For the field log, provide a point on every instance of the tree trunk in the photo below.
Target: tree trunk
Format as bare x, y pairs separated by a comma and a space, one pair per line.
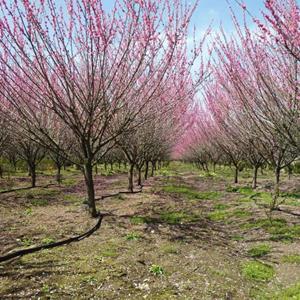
276, 189
277, 181
32, 172
140, 176
236, 174
89, 181
290, 171
254, 181
130, 178
159, 165
105, 166
112, 166
146, 170
58, 174
153, 168
1, 171
261, 170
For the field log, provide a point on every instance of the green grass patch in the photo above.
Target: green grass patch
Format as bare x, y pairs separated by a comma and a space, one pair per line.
133, 236
237, 238
259, 250
266, 224
69, 182
278, 228
239, 213
109, 252
177, 217
39, 202
292, 259
246, 190
73, 198
136, 220
190, 193
221, 206
294, 195
290, 293
219, 215
257, 271
169, 249
222, 214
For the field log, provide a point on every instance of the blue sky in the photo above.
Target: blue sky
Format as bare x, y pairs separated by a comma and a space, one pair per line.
218, 12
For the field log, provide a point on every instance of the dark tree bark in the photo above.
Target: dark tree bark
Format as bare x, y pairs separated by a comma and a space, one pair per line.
139, 176
277, 181
58, 174
153, 168
146, 170
88, 175
130, 178
32, 171
236, 174
254, 180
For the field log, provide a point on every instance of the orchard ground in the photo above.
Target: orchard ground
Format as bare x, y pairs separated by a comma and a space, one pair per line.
189, 235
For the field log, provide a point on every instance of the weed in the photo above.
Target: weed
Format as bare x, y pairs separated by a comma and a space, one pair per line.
26, 242
28, 211
45, 289
258, 271
156, 270
47, 240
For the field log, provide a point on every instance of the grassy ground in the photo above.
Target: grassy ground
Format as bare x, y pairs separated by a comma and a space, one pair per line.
189, 235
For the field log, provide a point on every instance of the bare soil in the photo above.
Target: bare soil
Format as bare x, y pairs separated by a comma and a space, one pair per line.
199, 251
